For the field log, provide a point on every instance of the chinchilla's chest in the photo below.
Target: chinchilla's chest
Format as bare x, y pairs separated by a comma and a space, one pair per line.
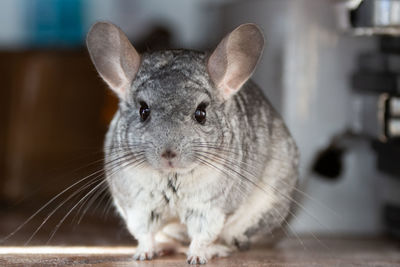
168, 194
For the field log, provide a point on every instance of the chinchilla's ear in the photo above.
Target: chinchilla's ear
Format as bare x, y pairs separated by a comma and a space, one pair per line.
114, 57
235, 58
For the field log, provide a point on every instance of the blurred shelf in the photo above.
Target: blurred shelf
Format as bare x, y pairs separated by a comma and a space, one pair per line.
372, 31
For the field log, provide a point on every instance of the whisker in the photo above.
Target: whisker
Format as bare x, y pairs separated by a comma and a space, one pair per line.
69, 212
90, 192
58, 207
90, 203
235, 151
104, 195
138, 154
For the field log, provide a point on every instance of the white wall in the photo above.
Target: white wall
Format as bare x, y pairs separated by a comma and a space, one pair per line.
12, 31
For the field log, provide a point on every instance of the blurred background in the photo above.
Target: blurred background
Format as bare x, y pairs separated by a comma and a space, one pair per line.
331, 68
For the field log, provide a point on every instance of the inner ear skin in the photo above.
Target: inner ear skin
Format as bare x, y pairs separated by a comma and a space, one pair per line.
218, 63
235, 58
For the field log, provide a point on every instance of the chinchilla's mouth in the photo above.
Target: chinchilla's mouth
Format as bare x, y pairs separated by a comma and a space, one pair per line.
179, 169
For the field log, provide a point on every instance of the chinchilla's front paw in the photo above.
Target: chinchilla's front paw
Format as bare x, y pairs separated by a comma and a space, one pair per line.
146, 251
196, 259
201, 255
142, 255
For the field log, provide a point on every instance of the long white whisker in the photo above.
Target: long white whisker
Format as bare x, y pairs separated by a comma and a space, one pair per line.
120, 168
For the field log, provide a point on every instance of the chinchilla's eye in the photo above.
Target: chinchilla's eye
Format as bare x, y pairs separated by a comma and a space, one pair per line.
200, 113
144, 111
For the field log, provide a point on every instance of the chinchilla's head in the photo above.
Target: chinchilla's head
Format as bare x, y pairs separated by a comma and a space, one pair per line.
172, 102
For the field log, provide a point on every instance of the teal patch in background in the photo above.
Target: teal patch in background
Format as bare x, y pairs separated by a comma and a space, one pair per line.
55, 23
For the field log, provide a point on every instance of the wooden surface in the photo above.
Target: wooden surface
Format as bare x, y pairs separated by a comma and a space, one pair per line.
290, 252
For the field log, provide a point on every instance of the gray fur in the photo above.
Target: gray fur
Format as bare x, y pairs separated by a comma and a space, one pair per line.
253, 158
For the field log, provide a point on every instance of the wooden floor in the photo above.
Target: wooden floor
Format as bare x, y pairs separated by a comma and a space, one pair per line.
290, 252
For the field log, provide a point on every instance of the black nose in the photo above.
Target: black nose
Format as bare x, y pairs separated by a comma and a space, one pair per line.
168, 154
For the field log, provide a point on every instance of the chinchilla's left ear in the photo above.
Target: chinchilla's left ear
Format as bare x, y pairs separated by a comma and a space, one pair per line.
233, 61
114, 57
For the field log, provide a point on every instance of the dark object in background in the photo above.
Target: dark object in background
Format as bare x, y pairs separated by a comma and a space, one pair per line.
391, 214
387, 157
159, 38
376, 82
390, 44
379, 63
329, 162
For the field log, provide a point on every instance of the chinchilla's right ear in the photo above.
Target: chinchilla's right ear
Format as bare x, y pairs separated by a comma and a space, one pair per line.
114, 57
235, 58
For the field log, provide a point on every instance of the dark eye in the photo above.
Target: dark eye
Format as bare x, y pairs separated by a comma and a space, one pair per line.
144, 111
200, 113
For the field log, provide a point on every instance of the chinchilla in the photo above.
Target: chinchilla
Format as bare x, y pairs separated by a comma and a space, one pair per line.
195, 150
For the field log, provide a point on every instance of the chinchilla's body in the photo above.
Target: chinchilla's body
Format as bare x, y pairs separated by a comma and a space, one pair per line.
195, 148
